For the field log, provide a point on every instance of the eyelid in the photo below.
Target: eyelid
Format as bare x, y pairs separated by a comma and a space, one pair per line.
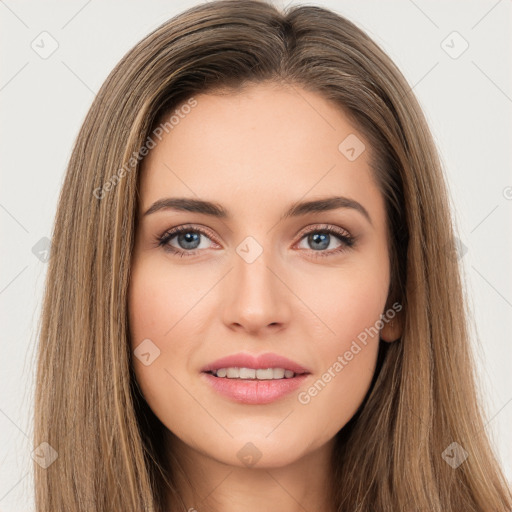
304, 231
199, 228
321, 227
347, 239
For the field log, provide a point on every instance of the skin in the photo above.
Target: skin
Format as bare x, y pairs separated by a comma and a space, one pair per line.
256, 152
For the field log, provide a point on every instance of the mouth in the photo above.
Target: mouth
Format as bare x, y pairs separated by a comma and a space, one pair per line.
254, 380
254, 373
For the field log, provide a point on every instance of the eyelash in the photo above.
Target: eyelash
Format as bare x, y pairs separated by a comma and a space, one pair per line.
347, 240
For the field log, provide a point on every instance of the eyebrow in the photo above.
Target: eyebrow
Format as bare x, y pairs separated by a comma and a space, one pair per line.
213, 209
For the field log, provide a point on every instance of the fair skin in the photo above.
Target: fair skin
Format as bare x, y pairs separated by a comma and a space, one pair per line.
255, 153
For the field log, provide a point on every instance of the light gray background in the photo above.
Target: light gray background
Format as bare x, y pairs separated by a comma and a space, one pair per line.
467, 100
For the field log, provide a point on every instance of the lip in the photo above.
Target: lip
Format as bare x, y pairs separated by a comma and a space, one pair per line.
254, 391
244, 360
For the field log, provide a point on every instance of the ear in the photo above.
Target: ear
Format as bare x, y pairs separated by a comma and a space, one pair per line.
392, 329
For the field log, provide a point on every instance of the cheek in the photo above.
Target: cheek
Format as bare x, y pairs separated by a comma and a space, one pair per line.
152, 306
346, 357
348, 302
159, 301
161, 318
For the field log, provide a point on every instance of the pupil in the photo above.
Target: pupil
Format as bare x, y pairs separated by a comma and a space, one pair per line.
324, 239
189, 238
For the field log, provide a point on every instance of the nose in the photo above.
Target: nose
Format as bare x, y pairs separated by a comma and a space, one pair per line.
259, 298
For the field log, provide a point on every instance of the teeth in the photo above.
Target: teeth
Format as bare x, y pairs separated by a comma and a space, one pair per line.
248, 373
278, 373
251, 373
233, 373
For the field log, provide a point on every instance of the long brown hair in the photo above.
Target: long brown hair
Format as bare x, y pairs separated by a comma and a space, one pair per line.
424, 396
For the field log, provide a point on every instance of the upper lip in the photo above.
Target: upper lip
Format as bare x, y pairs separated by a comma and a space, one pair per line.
243, 360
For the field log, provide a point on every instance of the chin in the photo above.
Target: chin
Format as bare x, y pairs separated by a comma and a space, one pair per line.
256, 448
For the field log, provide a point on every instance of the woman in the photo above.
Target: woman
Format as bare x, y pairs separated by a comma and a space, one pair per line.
254, 299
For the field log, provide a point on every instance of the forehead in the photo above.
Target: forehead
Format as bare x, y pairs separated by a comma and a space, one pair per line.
254, 148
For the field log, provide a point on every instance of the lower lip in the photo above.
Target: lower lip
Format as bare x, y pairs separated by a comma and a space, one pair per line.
254, 392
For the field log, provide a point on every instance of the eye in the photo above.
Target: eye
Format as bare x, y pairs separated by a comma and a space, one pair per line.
320, 237
189, 237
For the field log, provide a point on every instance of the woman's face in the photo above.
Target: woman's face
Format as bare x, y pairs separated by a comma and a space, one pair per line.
255, 280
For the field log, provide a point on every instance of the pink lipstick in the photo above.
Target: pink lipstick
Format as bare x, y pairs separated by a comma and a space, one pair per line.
254, 380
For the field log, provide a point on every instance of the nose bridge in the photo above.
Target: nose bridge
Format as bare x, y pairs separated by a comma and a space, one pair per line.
257, 297
252, 267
